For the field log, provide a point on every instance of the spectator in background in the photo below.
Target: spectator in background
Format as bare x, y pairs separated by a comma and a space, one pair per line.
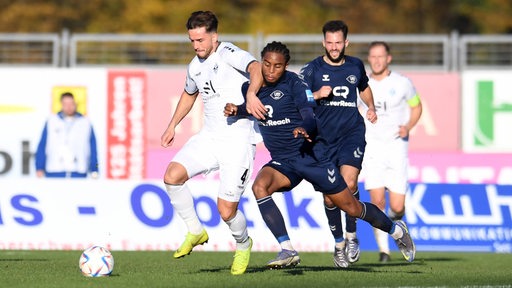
386, 159
68, 145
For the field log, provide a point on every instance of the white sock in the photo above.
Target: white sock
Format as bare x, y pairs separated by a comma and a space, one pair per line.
398, 233
351, 235
287, 244
183, 204
238, 227
340, 245
382, 239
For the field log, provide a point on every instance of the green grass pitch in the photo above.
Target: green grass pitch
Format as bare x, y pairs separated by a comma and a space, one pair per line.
211, 269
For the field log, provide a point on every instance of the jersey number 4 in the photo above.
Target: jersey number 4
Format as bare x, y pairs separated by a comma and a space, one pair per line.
244, 176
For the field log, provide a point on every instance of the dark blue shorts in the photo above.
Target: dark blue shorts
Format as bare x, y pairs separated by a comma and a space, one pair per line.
321, 173
349, 150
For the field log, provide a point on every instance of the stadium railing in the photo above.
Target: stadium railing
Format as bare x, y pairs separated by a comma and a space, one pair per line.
451, 52
29, 49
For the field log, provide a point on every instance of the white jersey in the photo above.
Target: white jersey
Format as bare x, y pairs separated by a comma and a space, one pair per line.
219, 79
390, 96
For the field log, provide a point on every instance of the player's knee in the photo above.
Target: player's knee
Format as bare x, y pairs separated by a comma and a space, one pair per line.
353, 208
260, 190
379, 202
175, 174
352, 185
227, 214
328, 202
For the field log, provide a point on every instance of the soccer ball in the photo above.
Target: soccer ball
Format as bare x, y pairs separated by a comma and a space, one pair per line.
96, 261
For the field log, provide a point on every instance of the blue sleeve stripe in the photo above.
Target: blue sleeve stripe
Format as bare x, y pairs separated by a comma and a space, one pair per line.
41, 149
94, 153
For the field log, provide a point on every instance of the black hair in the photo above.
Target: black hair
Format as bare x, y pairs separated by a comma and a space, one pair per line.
380, 43
203, 19
66, 94
277, 47
335, 26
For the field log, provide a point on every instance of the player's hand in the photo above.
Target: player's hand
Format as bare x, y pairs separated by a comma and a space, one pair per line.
40, 173
371, 115
230, 109
299, 131
323, 92
168, 137
403, 131
255, 107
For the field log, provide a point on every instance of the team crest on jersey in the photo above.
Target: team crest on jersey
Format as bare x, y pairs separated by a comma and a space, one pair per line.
325, 78
352, 79
215, 68
277, 94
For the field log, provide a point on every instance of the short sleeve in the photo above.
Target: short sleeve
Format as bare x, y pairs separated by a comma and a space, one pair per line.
235, 57
190, 84
303, 96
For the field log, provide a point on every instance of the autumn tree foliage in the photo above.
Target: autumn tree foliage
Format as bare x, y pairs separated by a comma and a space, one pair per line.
257, 16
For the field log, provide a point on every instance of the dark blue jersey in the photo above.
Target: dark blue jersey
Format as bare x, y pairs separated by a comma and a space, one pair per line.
337, 113
284, 102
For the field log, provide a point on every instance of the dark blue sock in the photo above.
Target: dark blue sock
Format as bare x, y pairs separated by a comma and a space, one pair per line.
351, 221
273, 218
334, 219
376, 217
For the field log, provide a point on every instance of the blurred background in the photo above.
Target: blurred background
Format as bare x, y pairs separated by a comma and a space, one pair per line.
126, 60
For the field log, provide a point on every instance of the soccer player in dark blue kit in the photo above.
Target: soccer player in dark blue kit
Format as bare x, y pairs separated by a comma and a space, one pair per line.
337, 80
298, 152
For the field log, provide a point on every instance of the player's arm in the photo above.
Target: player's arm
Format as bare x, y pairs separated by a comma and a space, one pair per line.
184, 106
306, 74
323, 92
253, 104
367, 97
416, 110
233, 110
308, 127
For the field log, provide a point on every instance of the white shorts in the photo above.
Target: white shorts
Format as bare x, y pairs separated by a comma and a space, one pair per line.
234, 160
385, 165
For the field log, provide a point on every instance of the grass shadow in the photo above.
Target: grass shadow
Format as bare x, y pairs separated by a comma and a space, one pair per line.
23, 259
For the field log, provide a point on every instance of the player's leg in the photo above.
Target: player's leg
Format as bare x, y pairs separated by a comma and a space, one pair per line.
350, 175
186, 164
396, 205
235, 174
337, 191
268, 181
334, 220
378, 197
333, 214
373, 215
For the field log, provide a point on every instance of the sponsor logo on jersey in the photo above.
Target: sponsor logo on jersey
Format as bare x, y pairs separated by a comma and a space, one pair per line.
276, 163
337, 103
198, 74
277, 94
352, 79
325, 78
275, 122
209, 92
215, 68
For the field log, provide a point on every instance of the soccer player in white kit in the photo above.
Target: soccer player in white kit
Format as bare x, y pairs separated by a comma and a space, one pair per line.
228, 145
386, 159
